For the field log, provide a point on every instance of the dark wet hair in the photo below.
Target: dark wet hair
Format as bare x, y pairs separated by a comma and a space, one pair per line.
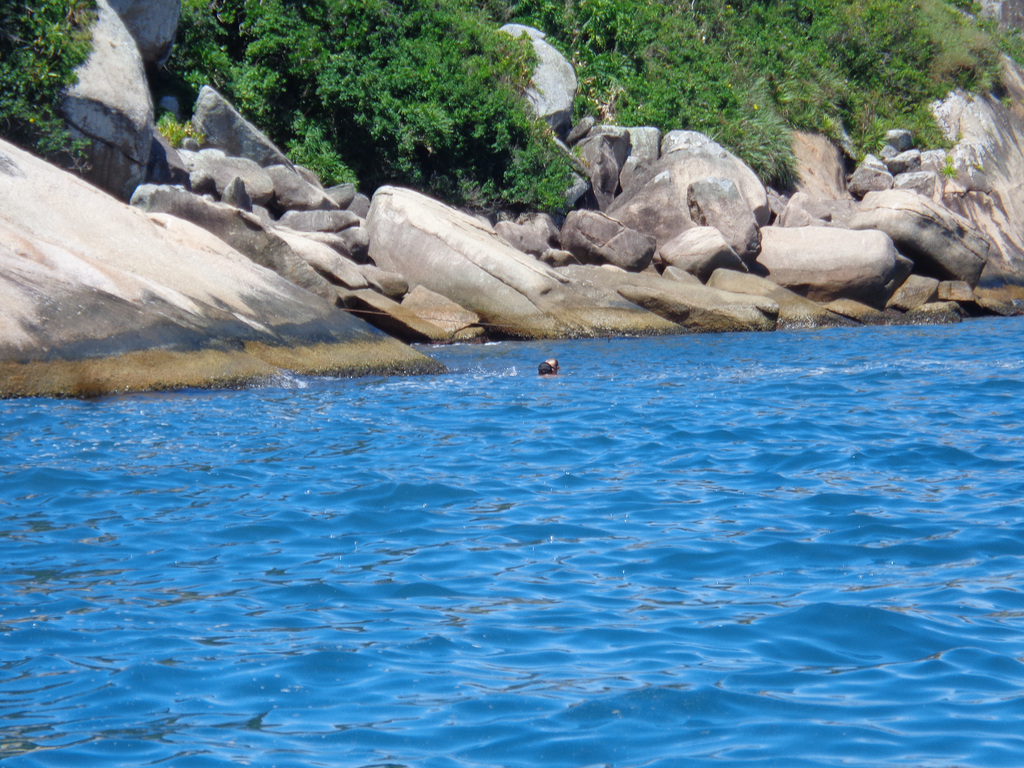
546, 369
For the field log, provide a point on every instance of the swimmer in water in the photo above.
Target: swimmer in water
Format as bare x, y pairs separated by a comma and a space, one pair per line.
548, 368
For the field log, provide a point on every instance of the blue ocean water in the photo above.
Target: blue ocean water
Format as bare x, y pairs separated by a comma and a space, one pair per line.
788, 549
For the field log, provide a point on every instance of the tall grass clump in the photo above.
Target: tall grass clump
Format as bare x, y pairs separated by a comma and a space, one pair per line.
41, 44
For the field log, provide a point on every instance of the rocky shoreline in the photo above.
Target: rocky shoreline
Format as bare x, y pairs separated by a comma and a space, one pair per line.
223, 263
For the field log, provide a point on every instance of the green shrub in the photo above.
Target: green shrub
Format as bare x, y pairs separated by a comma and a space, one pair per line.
41, 44
426, 94
175, 131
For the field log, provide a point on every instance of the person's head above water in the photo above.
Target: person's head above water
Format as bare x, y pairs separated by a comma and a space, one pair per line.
548, 368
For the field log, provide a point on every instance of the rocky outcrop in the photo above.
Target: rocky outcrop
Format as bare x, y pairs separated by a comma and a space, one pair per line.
594, 238
111, 108
657, 200
692, 306
825, 264
940, 243
716, 202
210, 171
603, 153
463, 259
241, 230
553, 83
871, 175
224, 128
699, 252
534, 234
990, 142
101, 297
152, 24
795, 311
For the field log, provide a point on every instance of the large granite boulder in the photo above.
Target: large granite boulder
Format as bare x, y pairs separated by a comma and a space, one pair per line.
716, 202
915, 291
795, 311
692, 306
699, 252
152, 24
100, 297
210, 171
292, 192
241, 230
821, 172
461, 258
645, 143
603, 153
534, 234
940, 243
825, 263
111, 108
594, 238
224, 128
871, 175
656, 201
553, 83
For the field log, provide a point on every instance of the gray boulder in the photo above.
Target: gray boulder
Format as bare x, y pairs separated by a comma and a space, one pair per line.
802, 210
826, 263
225, 129
645, 143
390, 284
360, 205
904, 162
922, 182
553, 84
533, 234
342, 194
236, 195
99, 297
595, 238
603, 154
899, 139
210, 171
319, 220
152, 24
700, 251
940, 243
110, 107
391, 317
327, 262
871, 175
914, 292
292, 192
716, 202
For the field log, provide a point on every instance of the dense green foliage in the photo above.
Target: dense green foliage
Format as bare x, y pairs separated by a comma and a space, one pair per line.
40, 45
427, 94
424, 93
745, 71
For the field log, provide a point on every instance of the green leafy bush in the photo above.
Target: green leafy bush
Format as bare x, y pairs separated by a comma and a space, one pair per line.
41, 44
426, 94
748, 71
